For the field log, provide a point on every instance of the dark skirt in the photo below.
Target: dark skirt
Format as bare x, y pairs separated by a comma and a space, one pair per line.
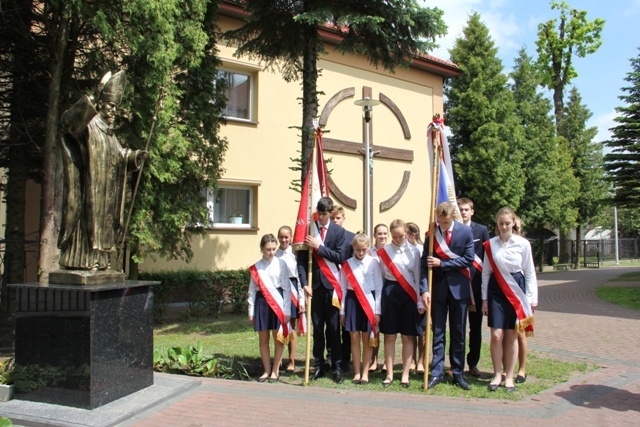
502, 315
264, 318
294, 309
356, 319
399, 312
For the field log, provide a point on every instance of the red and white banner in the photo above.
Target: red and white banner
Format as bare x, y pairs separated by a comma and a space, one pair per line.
316, 185
446, 190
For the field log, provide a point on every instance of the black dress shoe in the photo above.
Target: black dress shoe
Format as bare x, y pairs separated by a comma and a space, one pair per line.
319, 373
459, 379
338, 376
493, 387
521, 379
434, 381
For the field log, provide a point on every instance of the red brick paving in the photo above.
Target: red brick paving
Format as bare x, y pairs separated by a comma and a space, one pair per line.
570, 322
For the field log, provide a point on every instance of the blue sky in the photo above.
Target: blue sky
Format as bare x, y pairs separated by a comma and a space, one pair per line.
514, 24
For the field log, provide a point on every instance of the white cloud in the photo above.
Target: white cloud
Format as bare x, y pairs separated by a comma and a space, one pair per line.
603, 122
503, 26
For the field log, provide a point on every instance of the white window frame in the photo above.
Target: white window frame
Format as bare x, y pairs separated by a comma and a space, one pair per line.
251, 96
249, 220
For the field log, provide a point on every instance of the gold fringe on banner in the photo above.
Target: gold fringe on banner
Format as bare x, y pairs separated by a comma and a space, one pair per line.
374, 342
280, 337
522, 325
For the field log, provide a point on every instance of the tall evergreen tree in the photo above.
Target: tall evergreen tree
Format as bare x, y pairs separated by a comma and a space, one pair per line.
285, 34
487, 138
550, 188
168, 50
586, 164
623, 162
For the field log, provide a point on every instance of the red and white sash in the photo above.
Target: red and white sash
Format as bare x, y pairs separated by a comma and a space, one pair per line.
397, 274
275, 301
512, 291
331, 271
366, 300
443, 251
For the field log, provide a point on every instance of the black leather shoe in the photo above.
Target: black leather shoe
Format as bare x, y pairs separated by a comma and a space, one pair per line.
459, 379
338, 376
521, 379
319, 373
434, 381
493, 387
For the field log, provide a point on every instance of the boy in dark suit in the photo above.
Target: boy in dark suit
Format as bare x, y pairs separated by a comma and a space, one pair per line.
480, 235
328, 247
450, 291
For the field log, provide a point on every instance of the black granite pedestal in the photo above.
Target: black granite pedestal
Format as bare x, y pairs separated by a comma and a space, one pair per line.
83, 346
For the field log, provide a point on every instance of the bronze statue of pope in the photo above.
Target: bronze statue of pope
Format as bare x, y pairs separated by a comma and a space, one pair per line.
95, 179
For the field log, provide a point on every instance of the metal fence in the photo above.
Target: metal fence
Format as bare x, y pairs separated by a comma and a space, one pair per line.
593, 252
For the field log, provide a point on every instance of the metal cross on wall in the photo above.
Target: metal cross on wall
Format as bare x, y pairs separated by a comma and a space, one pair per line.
348, 147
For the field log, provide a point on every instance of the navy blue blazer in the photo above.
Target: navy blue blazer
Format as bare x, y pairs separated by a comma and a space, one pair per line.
448, 276
334, 249
480, 235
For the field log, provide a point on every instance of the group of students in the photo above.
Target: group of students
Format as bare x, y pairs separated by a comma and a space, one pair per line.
384, 289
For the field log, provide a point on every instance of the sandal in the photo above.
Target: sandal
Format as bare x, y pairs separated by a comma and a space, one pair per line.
387, 382
263, 378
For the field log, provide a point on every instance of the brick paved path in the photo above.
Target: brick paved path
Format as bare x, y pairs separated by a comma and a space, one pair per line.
570, 322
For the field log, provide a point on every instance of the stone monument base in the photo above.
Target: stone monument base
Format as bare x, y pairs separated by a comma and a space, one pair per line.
83, 346
85, 277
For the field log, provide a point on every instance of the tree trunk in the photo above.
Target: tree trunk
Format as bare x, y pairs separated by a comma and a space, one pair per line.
564, 257
542, 245
309, 95
49, 215
576, 261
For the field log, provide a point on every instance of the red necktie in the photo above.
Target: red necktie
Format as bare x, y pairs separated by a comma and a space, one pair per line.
448, 237
323, 231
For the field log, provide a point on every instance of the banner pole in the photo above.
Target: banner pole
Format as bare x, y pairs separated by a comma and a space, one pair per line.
307, 361
437, 153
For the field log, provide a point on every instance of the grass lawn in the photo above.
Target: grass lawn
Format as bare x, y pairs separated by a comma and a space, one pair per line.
232, 337
625, 296
622, 296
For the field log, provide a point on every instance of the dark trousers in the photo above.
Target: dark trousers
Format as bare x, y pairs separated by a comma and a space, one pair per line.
325, 315
457, 313
475, 328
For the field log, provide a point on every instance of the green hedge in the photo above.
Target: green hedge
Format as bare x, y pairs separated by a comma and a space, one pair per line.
206, 292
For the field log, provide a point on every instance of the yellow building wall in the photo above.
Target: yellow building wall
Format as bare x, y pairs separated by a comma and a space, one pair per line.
261, 153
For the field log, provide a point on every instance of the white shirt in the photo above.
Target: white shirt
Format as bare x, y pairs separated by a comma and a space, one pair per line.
292, 265
277, 273
407, 259
516, 255
368, 275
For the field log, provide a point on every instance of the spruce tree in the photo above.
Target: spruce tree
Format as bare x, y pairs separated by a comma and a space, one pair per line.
550, 187
622, 163
486, 145
586, 163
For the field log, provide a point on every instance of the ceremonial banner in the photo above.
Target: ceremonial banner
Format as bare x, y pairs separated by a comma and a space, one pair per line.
316, 185
446, 189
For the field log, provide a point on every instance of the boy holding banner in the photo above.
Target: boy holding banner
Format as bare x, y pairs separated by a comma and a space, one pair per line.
329, 247
450, 291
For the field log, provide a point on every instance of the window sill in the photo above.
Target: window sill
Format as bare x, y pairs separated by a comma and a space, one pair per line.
239, 121
232, 227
